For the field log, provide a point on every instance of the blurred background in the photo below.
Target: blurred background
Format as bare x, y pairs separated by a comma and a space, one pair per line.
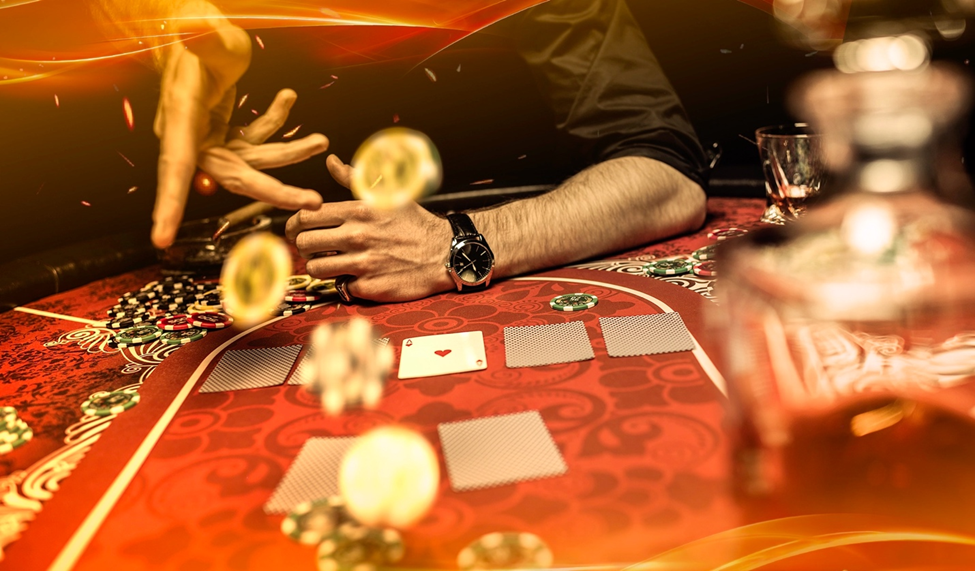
72, 171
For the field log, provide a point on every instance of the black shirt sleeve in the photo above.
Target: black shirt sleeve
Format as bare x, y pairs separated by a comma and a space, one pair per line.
609, 96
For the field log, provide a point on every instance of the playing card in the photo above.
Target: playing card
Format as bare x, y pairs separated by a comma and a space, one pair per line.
442, 355
313, 475
537, 345
251, 369
499, 450
645, 335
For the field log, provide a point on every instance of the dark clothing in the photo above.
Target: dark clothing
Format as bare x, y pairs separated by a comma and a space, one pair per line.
609, 96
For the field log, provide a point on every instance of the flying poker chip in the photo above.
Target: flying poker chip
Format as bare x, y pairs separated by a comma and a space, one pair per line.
395, 166
721, 234
211, 320
509, 550
311, 522
706, 253
183, 336
574, 302
354, 547
138, 335
175, 323
299, 282
300, 296
706, 269
105, 403
288, 309
676, 267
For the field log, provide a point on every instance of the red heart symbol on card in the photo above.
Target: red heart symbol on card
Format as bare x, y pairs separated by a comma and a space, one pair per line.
443, 352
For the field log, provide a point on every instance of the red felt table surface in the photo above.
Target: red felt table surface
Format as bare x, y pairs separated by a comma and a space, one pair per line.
179, 481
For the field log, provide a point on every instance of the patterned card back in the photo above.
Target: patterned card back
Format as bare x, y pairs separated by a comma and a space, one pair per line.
251, 369
313, 475
499, 450
645, 335
537, 345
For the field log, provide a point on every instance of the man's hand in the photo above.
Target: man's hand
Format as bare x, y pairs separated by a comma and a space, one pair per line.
394, 255
192, 123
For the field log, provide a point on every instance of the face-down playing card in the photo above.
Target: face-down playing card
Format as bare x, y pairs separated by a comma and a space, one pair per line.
645, 335
251, 369
498, 450
538, 345
312, 476
442, 355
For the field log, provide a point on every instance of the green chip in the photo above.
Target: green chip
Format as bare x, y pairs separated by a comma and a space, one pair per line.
138, 335
354, 547
105, 403
13, 432
311, 522
574, 302
509, 550
22, 438
183, 336
675, 267
706, 253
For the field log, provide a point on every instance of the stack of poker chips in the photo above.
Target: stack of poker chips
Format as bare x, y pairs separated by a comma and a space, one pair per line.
303, 293
14, 432
344, 544
173, 310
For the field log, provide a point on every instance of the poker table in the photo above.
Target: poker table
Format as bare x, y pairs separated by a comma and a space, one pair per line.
179, 481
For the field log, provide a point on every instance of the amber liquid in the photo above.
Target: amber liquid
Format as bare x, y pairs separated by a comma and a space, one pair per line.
883, 456
794, 200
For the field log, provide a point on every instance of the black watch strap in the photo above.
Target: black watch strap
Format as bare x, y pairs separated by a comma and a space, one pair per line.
462, 225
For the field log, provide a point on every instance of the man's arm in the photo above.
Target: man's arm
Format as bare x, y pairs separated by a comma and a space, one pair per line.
606, 208
400, 255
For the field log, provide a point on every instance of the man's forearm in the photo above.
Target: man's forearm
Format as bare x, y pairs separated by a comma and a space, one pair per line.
609, 207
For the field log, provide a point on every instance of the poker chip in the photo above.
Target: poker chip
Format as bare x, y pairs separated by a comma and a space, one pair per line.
705, 269
299, 282
138, 335
150, 286
675, 267
288, 309
126, 322
183, 336
211, 299
15, 437
574, 302
8, 415
211, 320
354, 547
720, 234
509, 550
136, 297
300, 295
197, 308
177, 322
126, 311
104, 403
311, 522
706, 253
322, 287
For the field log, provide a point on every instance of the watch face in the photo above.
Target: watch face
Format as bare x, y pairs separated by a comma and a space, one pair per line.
472, 262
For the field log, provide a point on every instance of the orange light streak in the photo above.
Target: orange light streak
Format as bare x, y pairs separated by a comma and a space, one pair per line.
129, 117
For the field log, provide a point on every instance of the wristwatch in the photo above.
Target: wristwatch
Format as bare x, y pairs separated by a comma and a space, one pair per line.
470, 262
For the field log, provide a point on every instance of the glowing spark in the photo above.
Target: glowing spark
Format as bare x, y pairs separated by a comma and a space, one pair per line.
326, 85
430, 74
485, 181
129, 117
133, 189
396, 118
131, 164
254, 111
458, 67
335, 77
57, 102
40, 189
242, 100
259, 41
291, 133
726, 51
377, 181
85, 203
521, 157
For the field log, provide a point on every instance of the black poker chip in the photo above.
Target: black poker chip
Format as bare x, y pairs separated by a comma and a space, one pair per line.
136, 297
126, 311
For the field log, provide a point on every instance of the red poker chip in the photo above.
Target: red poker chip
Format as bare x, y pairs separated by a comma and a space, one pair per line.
211, 320
720, 234
301, 296
706, 269
179, 322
